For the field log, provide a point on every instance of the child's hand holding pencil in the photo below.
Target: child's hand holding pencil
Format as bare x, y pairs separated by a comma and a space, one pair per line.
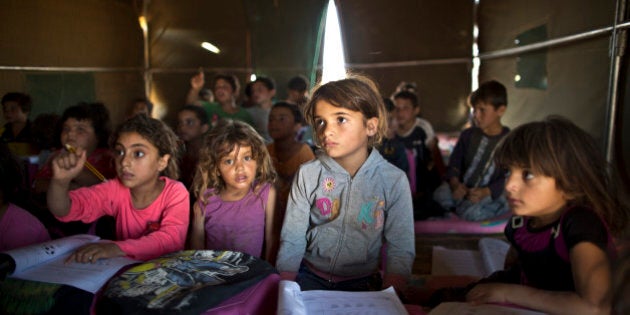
67, 165
88, 165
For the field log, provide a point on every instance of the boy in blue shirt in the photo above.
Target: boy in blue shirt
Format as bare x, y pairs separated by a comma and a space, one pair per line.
473, 186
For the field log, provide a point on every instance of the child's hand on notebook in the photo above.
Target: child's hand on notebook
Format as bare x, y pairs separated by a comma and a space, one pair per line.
92, 252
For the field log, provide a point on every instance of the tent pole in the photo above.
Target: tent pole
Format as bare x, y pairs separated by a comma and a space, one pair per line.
147, 56
498, 53
475, 61
617, 48
553, 42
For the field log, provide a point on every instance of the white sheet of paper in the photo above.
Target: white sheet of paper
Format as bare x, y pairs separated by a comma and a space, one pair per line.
28, 256
292, 301
45, 262
88, 277
461, 262
479, 263
493, 252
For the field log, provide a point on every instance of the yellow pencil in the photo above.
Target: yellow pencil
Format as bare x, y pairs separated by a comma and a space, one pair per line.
88, 165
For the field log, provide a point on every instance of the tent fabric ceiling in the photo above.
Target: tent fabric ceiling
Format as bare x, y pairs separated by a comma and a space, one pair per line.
278, 38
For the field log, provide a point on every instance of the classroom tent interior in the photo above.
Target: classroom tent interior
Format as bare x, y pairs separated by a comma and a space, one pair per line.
561, 57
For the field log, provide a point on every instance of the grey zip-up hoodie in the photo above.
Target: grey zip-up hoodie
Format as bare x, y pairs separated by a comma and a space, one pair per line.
338, 223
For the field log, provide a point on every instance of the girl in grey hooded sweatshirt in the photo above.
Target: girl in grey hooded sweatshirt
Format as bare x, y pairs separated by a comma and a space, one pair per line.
348, 203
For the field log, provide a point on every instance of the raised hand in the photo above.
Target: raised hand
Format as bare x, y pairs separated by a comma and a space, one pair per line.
197, 81
67, 165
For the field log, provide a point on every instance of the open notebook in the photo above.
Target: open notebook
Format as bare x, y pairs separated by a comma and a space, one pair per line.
45, 262
293, 301
489, 258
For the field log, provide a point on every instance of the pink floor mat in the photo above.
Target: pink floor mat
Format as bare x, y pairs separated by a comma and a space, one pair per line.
454, 224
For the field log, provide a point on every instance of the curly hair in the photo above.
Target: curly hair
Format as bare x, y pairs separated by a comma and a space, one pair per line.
218, 143
156, 132
557, 148
356, 93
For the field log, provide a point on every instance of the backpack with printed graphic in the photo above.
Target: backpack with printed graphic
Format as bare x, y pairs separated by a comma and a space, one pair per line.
185, 282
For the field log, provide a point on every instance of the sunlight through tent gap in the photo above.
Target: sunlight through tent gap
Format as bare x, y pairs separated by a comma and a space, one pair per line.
334, 64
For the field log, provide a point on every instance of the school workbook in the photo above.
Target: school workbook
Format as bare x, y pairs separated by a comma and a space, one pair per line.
293, 301
46, 262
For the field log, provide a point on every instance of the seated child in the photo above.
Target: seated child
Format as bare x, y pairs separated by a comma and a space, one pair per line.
17, 131
297, 91
391, 148
140, 106
192, 125
151, 208
414, 132
18, 227
287, 153
473, 185
346, 204
225, 88
263, 92
235, 194
86, 126
567, 208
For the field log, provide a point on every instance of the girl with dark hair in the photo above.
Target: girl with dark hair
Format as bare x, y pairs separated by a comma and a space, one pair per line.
150, 206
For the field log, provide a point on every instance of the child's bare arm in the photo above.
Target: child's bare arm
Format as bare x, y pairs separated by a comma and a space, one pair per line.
197, 228
271, 229
65, 167
196, 84
591, 274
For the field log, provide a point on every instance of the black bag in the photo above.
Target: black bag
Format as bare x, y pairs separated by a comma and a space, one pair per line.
185, 282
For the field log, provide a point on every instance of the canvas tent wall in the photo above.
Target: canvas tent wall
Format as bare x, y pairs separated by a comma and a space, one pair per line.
66, 51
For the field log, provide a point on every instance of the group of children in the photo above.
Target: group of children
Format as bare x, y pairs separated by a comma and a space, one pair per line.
348, 208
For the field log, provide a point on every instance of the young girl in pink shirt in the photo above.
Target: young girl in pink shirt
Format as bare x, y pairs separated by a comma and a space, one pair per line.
235, 194
150, 207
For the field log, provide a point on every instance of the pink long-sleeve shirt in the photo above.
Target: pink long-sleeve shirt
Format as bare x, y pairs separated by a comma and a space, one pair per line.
142, 234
